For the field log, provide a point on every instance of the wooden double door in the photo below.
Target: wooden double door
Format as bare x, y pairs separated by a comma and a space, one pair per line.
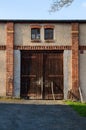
42, 74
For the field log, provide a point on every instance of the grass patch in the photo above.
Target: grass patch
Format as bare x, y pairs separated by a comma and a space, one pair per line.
80, 108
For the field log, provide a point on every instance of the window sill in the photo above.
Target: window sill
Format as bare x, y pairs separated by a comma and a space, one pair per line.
35, 40
49, 41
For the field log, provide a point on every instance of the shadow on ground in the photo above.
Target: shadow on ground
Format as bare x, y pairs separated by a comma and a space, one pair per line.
39, 117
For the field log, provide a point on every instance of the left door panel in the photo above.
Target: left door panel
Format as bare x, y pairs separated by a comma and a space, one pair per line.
31, 75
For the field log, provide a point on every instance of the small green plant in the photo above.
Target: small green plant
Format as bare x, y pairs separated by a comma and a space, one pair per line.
80, 108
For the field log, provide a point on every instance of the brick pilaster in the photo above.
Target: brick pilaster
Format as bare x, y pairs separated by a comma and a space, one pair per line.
75, 60
9, 59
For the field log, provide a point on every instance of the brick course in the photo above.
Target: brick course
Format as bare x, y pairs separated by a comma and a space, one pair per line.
75, 60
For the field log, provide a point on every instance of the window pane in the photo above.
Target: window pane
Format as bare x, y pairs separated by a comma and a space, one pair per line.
48, 34
35, 33
33, 36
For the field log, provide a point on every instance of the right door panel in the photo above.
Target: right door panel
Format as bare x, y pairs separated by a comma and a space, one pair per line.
53, 75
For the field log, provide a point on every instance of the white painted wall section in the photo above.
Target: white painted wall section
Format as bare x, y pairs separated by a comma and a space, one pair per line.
67, 72
17, 64
83, 74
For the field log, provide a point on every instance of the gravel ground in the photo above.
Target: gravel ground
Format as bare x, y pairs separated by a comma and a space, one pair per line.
39, 115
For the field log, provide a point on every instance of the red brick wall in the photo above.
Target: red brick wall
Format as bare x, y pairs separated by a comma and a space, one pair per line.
75, 59
9, 59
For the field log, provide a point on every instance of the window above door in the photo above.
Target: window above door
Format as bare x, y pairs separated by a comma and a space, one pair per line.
48, 33
42, 33
35, 33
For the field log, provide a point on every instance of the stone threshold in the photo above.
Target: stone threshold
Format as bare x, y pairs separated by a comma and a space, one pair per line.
35, 102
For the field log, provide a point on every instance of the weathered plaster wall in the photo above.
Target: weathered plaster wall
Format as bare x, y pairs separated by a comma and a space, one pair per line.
2, 34
17, 73
62, 35
67, 72
82, 38
22, 34
2, 73
82, 62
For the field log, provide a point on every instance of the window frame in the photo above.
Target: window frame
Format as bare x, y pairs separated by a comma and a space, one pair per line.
36, 33
48, 34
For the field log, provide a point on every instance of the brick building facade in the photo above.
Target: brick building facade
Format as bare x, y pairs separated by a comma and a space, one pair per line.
43, 59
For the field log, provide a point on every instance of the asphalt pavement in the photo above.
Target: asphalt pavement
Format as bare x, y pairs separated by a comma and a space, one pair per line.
39, 115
